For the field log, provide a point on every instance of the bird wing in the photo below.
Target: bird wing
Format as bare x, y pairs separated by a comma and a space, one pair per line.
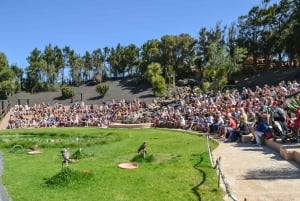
142, 147
66, 155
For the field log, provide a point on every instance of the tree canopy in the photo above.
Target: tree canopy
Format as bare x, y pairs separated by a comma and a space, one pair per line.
269, 31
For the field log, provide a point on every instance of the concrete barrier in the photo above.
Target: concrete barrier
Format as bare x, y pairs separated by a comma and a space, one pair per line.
247, 138
297, 156
274, 145
119, 125
287, 154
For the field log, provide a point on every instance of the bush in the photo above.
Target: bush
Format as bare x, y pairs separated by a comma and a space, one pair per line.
98, 78
79, 154
102, 89
159, 86
206, 86
67, 92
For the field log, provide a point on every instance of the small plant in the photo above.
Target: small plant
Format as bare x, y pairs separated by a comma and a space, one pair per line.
79, 154
102, 89
294, 103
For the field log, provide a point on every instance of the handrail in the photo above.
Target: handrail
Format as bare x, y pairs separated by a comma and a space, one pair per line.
218, 165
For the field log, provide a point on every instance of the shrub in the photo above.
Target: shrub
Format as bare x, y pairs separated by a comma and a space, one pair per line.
293, 104
79, 154
205, 86
98, 78
159, 86
67, 92
102, 89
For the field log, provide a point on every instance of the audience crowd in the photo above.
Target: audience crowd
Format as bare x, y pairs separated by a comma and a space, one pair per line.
78, 114
221, 113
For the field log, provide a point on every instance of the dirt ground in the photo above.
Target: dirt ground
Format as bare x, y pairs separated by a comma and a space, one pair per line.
258, 173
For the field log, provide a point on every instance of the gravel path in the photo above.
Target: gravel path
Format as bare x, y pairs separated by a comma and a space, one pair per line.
258, 173
3, 193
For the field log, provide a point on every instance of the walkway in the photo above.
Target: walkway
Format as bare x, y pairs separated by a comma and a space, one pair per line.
258, 173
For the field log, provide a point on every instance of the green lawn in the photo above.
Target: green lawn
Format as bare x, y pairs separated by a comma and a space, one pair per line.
179, 170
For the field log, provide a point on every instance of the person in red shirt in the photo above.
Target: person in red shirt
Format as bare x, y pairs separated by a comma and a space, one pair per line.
296, 123
230, 128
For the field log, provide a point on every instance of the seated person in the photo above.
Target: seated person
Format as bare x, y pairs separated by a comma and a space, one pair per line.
242, 128
261, 127
230, 129
294, 124
218, 122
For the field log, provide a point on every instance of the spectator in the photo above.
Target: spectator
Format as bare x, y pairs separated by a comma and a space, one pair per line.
278, 117
242, 127
230, 129
261, 127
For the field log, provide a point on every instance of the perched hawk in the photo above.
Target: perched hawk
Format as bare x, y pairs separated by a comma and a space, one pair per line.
66, 156
143, 147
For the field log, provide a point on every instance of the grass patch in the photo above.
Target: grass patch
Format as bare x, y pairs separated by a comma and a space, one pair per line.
176, 167
67, 176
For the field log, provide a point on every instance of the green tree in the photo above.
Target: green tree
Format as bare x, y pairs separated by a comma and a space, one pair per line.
58, 64
49, 68
157, 81
34, 72
76, 65
131, 58
98, 62
18, 77
221, 65
249, 33
150, 52
7, 85
88, 63
206, 37
168, 57
117, 61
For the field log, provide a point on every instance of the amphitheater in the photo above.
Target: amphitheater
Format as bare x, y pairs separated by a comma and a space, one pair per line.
267, 173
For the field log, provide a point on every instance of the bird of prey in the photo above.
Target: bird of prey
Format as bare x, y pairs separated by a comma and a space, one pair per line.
142, 148
66, 156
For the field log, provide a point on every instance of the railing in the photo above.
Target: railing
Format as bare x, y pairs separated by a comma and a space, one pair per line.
5, 111
218, 165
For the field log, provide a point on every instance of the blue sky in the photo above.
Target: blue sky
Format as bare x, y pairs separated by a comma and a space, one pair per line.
86, 25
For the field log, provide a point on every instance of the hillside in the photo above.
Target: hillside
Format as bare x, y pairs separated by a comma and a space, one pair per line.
121, 89
269, 76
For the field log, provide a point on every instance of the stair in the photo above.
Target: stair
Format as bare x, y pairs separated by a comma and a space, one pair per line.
4, 121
